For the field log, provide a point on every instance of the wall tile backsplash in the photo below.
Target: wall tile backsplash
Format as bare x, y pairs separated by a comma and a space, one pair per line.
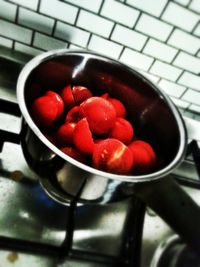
160, 38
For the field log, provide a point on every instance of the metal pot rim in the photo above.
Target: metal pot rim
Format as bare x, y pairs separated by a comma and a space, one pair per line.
32, 64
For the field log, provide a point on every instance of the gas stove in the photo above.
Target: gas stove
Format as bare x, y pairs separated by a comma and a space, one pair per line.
37, 231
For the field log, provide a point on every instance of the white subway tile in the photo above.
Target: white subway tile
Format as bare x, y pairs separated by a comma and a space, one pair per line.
150, 6
194, 108
32, 4
192, 96
7, 10
71, 34
183, 2
195, 5
188, 62
190, 80
15, 32
27, 49
47, 43
128, 37
75, 47
165, 70
35, 21
59, 10
171, 88
120, 13
153, 27
184, 41
94, 23
159, 50
180, 16
197, 30
6, 42
149, 76
87, 4
180, 103
105, 47
136, 59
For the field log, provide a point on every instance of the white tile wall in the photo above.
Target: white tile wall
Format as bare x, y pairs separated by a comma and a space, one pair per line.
183, 2
32, 4
105, 47
184, 41
153, 27
128, 37
160, 38
185, 19
94, 23
187, 62
136, 59
197, 30
6, 42
35, 21
192, 96
171, 88
165, 70
72, 34
120, 13
190, 80
59, 10
27, 49
195, 5
159, 50
87, 4
15, 32
8, 10
47, 43
149, 6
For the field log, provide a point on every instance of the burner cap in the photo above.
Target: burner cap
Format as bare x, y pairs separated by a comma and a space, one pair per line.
173, 252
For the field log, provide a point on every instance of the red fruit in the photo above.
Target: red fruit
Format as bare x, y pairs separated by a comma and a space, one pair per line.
80, 94
73, 115
64, 134
83, 137
74, 153
58, 100
118, 105
100, 114
122, 130
144, 157
113, 156
147, 146
68, 97
45, 111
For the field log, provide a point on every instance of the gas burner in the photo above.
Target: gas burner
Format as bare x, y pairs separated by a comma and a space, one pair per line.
172, 252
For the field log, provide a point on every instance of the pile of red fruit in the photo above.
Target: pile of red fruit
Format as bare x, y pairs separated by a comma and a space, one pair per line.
93, 130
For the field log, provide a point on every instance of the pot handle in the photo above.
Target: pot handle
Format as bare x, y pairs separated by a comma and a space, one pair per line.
166, 197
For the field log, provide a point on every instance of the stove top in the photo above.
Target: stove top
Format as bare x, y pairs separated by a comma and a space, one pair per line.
37, 231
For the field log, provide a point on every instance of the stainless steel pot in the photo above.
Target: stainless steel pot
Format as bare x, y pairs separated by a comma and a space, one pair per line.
155, 120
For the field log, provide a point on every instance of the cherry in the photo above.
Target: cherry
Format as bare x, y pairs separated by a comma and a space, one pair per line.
58, 100
64, 135
122, 130
144, 156
80, 94
74, 153
83, 137
100, 114
45, 111
113, 156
